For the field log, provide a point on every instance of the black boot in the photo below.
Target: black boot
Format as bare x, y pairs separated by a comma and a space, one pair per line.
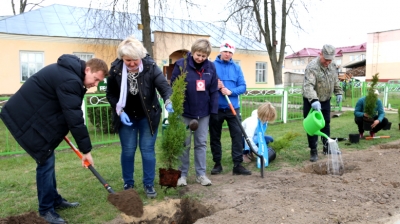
313, 155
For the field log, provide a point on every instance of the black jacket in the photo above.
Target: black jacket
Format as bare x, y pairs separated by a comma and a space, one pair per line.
149, 80
47, 106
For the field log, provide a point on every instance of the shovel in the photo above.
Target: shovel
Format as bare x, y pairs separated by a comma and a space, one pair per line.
370, 138
119, 200
90, 167
247, 138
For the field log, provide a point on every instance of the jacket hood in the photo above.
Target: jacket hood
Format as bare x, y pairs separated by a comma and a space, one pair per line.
72, 63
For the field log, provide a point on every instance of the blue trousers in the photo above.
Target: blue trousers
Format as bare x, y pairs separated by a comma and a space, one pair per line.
47, 186
130, 136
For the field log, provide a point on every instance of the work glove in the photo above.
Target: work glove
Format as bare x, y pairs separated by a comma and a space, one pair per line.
169, 108
268, 139
338, 99
316, 105
125, 119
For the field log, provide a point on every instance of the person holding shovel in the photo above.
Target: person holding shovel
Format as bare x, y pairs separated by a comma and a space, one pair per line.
132, 90
320, 82
255, 127
201, 100
42, 112
231, 83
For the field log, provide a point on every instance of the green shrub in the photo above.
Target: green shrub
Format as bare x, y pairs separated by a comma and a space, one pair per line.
173, 139
101, 118
371, 98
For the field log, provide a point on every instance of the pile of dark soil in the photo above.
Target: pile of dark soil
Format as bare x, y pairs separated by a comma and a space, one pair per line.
30, 217
128, 202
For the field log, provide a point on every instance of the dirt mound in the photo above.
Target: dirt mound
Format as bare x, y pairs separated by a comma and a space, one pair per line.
30, 217
128, 202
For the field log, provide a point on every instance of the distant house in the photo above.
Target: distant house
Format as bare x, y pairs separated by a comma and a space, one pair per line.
383, 55
34, 39
297, 62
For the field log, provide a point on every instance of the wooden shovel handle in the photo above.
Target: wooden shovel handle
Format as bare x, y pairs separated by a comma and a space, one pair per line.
385, 136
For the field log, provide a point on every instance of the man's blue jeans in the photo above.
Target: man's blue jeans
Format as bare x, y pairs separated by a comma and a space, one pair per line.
46, 185
129, 136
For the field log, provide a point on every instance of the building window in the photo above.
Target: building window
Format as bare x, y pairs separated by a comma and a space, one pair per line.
261, 72
31, 62
84, 56
339, 62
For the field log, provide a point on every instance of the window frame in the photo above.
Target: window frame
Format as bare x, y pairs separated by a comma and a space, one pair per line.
263, 70
38, 65
81, 55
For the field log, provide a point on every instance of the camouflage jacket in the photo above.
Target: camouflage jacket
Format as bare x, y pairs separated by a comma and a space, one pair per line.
320, 82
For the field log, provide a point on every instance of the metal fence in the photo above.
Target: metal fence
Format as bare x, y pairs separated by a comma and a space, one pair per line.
287, 101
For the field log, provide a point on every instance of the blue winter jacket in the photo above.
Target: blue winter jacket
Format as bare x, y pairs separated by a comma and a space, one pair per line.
232, 77
198, 104
359, 110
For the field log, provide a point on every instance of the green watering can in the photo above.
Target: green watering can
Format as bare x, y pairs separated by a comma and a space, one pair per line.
314, 122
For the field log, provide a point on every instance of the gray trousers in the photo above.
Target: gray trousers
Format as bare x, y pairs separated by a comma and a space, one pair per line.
200, 147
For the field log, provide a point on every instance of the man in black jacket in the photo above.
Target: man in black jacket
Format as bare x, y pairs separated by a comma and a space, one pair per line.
43, 111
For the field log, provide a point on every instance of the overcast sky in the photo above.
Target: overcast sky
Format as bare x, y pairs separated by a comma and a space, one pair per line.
337, 22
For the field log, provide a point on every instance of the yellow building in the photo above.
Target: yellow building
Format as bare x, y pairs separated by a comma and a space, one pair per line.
383, 55
37, 38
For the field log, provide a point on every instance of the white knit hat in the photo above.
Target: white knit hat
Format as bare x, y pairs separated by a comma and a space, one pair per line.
227, 45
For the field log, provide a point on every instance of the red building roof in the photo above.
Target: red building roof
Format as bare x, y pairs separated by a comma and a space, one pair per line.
313, 52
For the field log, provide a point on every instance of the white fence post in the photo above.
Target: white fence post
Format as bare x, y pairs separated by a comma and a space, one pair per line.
385, 95
285, 106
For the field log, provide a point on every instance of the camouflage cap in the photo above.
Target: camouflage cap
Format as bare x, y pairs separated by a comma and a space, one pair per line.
328, 51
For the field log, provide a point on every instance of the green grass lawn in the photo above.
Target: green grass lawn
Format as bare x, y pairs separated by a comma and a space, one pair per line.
18, 188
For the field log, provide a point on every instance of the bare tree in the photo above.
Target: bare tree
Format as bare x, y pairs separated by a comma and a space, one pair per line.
119, 20
23, 4
262, 18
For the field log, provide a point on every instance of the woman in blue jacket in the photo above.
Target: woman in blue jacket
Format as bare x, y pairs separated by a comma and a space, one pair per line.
201, 100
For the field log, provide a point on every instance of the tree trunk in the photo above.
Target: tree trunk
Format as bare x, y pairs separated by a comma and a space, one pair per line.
146, 32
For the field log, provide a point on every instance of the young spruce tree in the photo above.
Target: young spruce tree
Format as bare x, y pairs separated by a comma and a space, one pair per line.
371, 98
175, 134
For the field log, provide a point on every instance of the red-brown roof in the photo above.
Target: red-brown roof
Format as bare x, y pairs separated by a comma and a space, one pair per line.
313, 52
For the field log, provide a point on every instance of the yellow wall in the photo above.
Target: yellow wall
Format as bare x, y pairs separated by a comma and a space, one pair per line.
383, 55
165, 45
248, 61
52, 48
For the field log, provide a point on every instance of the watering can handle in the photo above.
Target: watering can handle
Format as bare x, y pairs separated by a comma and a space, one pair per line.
311, 110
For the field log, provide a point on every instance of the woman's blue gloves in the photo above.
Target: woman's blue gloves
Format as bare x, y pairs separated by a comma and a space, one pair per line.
169, 108
125, 119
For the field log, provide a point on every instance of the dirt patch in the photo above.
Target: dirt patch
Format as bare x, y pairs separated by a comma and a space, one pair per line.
178, 211
367, 192
30, 217
128, 202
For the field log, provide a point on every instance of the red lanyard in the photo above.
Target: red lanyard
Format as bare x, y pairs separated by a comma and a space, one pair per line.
200, 73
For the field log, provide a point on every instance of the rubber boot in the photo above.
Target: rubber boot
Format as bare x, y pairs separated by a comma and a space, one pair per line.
313, 155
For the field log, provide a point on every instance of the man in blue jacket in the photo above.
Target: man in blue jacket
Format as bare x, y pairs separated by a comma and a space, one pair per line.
231, 83
379, 118
43, 111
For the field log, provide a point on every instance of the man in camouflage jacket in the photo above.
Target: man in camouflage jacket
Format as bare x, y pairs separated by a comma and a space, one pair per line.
320, 82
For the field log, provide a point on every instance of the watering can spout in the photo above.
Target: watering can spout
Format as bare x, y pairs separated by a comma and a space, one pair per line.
319, 133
